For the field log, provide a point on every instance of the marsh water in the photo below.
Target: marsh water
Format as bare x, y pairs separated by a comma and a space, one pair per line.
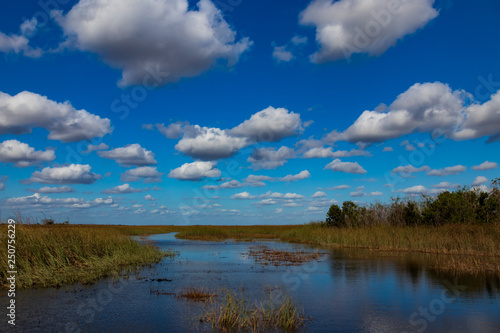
346, 290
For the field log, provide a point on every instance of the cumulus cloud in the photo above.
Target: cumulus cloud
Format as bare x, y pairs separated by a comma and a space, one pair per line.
285, 52
427, 107
423, 107
346, 27
19, 43
152, 42
64, 174
280, 53
319, 194
360, 193
454, 170
270, 158
445, 185
269, 125
387, 149
304, 174
26, 110
91, 148
486, 165
22, 155
479, 181
123, 189
130, 155
406, 171
347, 167
195, 171
149, 198
146, 174
257, 179
327, 152
243, 196
209, 143
37, 200
47, 189
339, 187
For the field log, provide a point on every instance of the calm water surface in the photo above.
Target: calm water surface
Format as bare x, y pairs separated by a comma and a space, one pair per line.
345, 291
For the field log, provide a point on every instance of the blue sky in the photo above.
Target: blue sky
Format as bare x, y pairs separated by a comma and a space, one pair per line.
242, 112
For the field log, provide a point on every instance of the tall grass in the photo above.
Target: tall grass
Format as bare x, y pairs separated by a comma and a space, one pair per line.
236, 312
49, 256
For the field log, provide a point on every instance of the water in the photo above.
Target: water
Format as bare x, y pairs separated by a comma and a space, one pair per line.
347, 290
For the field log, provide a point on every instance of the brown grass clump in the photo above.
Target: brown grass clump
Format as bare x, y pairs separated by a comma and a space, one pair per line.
196, 294
267, 256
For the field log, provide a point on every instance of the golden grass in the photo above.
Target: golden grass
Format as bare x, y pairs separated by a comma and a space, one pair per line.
50, 256
196, 294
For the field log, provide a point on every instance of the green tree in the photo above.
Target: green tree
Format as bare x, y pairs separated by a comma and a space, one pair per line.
334, 217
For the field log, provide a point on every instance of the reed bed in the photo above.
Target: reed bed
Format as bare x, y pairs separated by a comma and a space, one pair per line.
50, 256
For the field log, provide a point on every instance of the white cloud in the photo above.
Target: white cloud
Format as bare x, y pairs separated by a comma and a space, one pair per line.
22, 155
195, 171
153, 42
91, 148
304, 174
445, 185
406, 171
361, 193
266, 202
256, 179
418, 189
486, 165
37, 200
269, 125
243, 196
149, 198
280, 53
232, 184
122, 189
270, 158
423, 107
408, 145
209, 143
481, 120
19, 43
347, 167
387, 149
454, 170
427, 107
47, 189
129, 155
339, 187
324, 152
319, 194
64, 174
26, 110
146, 174
346, 27
479, 181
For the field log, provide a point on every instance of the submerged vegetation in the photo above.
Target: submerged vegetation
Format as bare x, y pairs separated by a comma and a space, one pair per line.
236, 312
52, 255
267, 256
196, 294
